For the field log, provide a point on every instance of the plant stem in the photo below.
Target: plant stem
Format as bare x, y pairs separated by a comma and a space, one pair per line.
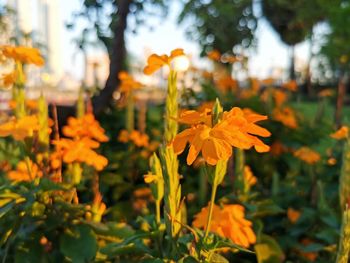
211, 206
158, 211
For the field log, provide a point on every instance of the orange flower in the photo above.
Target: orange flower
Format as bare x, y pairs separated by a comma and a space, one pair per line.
228, 222
293, 215
192, 117
123, 136
280, 97
277, 148
127, 83
326, 93
249, 177
286, 116
139, 139
290, 85
226, 83
87, 126
155, 62
25, 171
23, 54
214, 55
30, 104
80, 151
207, 105
332, 161
307, 155
236, 129
9, 78
21, 128
342, 133
311, 256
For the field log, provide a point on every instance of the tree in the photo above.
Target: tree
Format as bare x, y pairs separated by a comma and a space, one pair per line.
220, 24
293, 20
336, 50
109, 20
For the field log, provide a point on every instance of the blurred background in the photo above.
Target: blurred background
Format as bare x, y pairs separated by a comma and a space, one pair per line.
88, 42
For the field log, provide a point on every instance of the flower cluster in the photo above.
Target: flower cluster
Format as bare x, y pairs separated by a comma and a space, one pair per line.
236, 129
20, 128
138, 138
26, 55
86, 135
228, 221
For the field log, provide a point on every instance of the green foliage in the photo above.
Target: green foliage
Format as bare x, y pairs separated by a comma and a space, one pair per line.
220, 25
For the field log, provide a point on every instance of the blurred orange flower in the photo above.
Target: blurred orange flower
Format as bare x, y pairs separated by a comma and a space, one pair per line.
9, 79
155, 62
25, 171
214, 55
307, 155
226, 83
290, 85
80, 151
280, 97
23, 54
342, 133
228, 222
293, 215
139, 139
30, 104
326, 93
21, 128
127, 83
286, 116
311, 256
249, 177
87, 126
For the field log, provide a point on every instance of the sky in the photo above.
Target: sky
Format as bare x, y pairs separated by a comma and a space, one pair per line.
271, 53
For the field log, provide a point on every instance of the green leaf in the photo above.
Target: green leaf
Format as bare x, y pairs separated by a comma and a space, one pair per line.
217, 258
266, 207
79, 245
268, 250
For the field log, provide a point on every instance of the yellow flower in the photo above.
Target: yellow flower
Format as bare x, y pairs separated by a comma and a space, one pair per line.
237, 129
293, 215
21, 128
25, 171
228, 222
23, 54
87, 126
307, 155
342, 133
155, 62
286, 116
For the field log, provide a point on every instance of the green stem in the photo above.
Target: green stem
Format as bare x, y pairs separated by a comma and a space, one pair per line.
211, 206
158, 211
